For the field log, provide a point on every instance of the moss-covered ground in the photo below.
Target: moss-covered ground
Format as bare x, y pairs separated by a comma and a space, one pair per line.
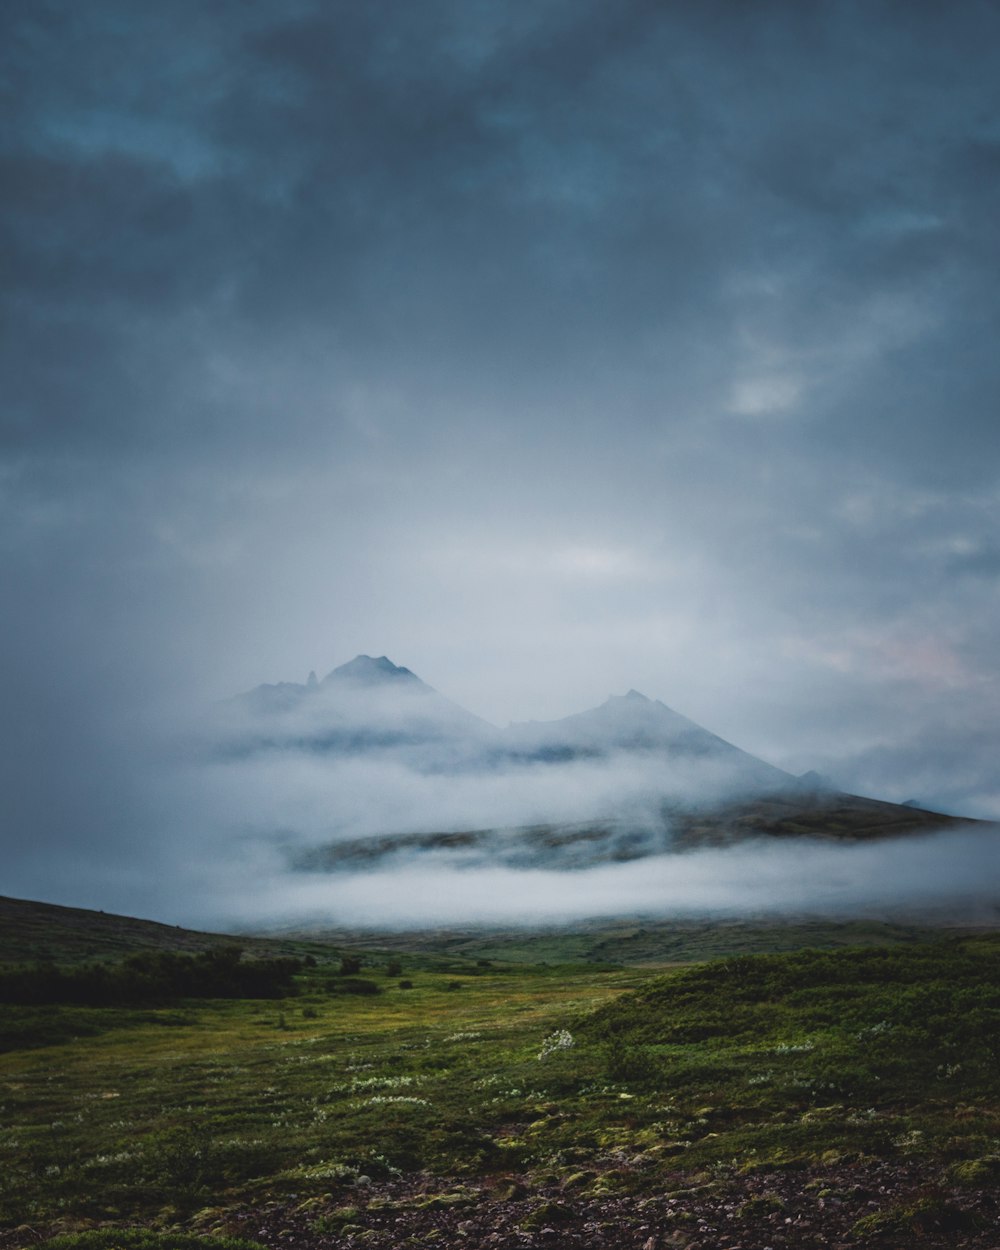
595, 1080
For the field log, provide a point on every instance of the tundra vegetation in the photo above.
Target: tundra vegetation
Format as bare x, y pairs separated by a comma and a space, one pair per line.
183, 1113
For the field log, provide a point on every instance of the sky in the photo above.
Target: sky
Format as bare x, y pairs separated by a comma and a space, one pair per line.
550, 349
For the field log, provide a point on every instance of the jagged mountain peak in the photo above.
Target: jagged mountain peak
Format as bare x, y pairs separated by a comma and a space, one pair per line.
633, 698
634, 723
636, 707
370, 670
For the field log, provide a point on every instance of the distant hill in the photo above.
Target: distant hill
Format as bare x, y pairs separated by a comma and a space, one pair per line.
835, 816
31, 931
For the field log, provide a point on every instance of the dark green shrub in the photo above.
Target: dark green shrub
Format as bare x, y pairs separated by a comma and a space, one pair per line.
355, 985
152, 977
632, 1065
926, 1216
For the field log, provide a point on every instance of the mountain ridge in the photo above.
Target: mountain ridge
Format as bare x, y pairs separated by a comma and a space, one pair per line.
630, 722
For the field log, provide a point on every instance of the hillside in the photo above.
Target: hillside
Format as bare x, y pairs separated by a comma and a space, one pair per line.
670, 826
802, 812
31, 931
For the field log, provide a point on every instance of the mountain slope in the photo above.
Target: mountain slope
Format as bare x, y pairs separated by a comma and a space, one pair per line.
32, 931
832, 816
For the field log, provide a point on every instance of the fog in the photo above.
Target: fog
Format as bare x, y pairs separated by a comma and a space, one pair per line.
346, 761
234, 808
949, 876
275, 804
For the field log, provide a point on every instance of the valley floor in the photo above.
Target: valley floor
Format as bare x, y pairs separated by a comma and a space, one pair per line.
810, 1099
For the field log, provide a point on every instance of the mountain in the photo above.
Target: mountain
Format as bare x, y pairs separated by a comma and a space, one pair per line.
635, 725
371, 704
364, 671
368, 705
659, 781
361, 673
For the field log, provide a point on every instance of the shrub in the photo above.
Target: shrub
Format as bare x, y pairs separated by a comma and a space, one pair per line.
926, 1216
632, 1065
152, 977
355, 985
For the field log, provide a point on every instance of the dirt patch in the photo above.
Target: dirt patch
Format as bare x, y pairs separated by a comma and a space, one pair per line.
878, 1204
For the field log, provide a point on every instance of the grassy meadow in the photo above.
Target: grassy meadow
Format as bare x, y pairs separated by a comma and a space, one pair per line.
163, 1112
592, 1078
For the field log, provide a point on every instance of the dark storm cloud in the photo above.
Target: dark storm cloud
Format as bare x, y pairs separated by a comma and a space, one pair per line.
433, 180
552, 348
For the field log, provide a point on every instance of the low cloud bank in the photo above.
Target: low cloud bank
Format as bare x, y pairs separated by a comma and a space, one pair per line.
212, 843
953, 872
312, 799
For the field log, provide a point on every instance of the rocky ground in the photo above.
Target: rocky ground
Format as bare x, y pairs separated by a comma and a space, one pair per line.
882, 1204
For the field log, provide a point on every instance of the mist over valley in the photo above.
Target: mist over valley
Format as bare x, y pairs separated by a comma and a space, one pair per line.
369, 798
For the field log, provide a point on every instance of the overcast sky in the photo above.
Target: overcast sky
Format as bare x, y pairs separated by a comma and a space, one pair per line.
549, 348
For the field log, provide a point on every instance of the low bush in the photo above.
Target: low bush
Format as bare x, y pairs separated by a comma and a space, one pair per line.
355, 985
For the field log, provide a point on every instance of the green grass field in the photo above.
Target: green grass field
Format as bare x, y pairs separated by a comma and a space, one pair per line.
580, 1075
163, 1112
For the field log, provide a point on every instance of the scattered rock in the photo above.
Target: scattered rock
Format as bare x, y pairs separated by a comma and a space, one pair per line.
878, 1203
